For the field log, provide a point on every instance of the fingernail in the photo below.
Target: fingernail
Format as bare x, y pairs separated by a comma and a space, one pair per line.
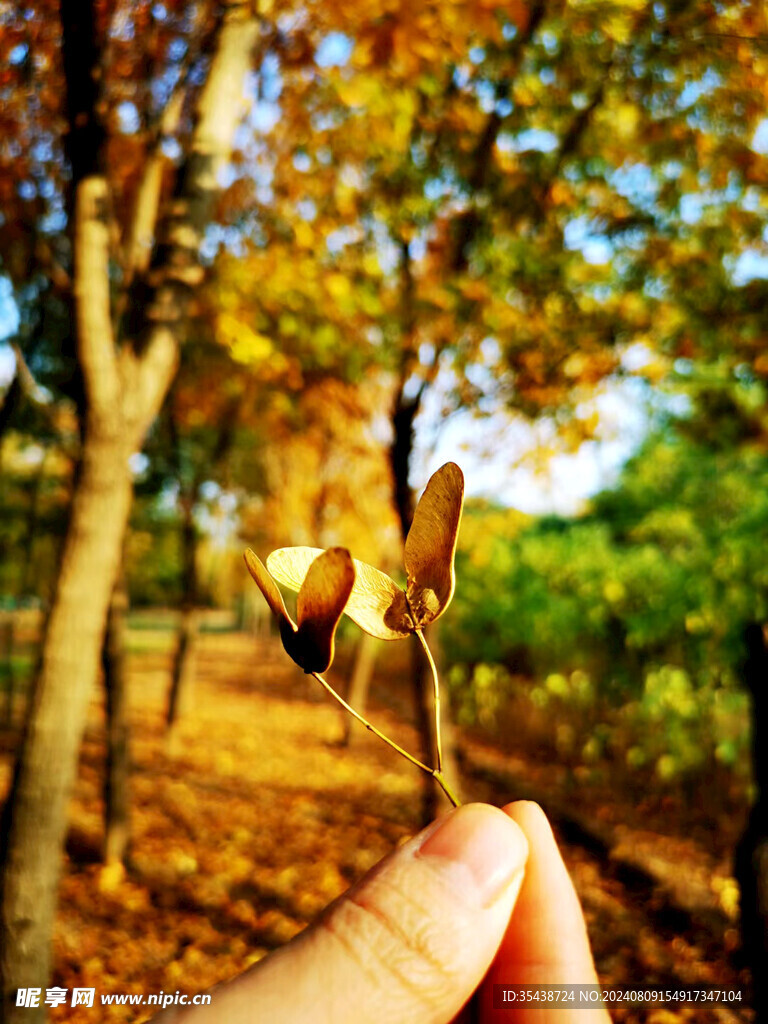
488, 847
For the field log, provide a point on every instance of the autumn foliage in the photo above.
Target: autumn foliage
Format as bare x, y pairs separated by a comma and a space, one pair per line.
260, 264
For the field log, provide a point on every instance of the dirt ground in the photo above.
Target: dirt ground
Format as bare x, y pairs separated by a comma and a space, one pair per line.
253, 818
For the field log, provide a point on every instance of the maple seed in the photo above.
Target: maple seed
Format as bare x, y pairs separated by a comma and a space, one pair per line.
331, 582
322, 595
376, 603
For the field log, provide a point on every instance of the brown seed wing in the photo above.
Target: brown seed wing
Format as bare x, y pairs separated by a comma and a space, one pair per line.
319, 607
267, 586
377, 605
431, 544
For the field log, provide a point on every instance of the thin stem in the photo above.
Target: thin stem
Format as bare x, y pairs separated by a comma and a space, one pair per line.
436, 692
374, 730
440, 780
434, 772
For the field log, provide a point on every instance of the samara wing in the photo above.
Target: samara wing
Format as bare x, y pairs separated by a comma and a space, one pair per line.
320, 604
376, 604
431, 544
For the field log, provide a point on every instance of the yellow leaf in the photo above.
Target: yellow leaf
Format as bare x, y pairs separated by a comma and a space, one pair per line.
371, 265
625, 120
362, 53
619, 27
110, 877
246, 345
474, 290
303, 235
338, 285
424, 48
562, 194
358, 91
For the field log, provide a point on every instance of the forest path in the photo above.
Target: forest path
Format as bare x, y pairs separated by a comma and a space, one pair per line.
257, 818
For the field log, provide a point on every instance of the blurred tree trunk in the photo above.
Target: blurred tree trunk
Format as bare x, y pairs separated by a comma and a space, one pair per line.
422, 696
184, 667
405, 412
7, 631
25, 586
183, 670
184, 661
362, 674
10, 402
451, 768
36, 810
7, 409
414, 379
123, 388
751, 860
117, 830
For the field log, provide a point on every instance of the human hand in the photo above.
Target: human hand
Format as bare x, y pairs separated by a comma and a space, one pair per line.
480, 897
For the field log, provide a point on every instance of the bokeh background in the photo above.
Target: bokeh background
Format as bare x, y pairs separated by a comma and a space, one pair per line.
263, 268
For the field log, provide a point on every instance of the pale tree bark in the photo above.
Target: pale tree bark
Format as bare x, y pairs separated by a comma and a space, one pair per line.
123, 388
36, 810
141, 237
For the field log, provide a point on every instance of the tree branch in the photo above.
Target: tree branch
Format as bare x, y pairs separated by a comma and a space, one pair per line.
176, 268
145, 378
568, 146
91, 292
141, 235
142, 230
218, 114
10, 402
468, 222
26, 379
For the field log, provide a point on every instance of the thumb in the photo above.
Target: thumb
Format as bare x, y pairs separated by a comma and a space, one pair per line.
409, 943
